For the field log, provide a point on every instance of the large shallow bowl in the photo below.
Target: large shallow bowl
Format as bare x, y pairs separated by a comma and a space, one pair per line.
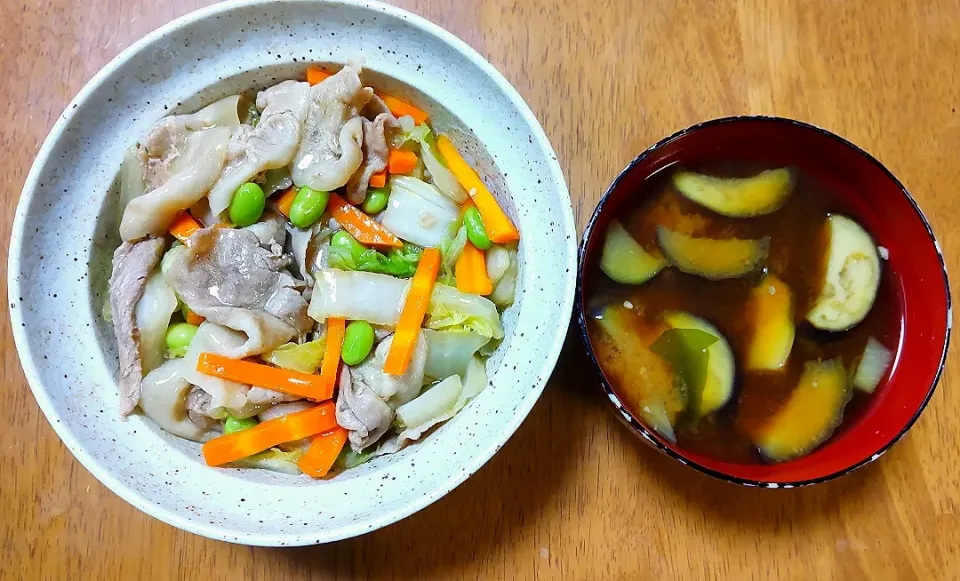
914, 267
65, 231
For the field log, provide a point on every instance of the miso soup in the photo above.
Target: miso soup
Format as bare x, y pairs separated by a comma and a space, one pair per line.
742, 312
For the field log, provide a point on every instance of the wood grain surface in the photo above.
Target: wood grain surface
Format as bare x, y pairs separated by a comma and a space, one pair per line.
572, 495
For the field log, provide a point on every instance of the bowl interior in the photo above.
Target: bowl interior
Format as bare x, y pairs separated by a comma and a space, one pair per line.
879, 202
64, 236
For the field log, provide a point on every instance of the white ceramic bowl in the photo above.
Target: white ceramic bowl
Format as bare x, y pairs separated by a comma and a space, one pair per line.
65, 231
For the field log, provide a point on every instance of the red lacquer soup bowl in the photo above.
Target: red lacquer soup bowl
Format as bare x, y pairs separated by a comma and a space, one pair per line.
883, 206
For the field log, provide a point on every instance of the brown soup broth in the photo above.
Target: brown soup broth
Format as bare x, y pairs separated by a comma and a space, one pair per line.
797, 255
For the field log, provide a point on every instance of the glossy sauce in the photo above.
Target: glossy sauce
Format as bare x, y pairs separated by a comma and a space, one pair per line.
797, 255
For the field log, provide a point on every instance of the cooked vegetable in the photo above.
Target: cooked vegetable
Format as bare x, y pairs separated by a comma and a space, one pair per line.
131, 179
873, 366
452, 310
810, 415
442, 177
471, 272
712, 259
401, 161
283, 380
360, 296
232, 425
376, 200
331, 358
171, 255
307, 207
644, 380
274, 459
770, 311
348, 254
231, 447
852, 276
418, 212
362, 227
624, 260
379, 179
323, 452
152, 313
449, 352
178, 339
191, 317
303, 357
357, 342
435, 401
275, 180
499, 227
505, 287
709, 379
350, 459
316, 75
411, 317
761, 194
285, 201
247, 204
402, 108
184, 226
450, 249
475, 230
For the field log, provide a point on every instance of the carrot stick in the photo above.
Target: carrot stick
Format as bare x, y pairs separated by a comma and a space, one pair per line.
411, 317
499, 227
471, 272
401, 161
364, 228
317, 75
184, 226
331, 355
193, 318
400, 108
323, 451
379, 179
285, 201
263, 436
282, 380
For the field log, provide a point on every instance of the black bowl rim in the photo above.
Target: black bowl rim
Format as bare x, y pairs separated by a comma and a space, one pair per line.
628, 418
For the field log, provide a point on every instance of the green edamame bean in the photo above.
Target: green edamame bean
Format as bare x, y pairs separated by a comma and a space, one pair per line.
376, 200
247, 204
178, 338
343, 239
476, 231
232, 424
307, 207
357, 342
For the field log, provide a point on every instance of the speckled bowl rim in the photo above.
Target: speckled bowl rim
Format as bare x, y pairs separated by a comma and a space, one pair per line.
637, 427
476, 462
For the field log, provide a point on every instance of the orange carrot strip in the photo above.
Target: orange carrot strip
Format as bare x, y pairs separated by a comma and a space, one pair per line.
411, 317
499, 227
317, 75
364, 228
379, 179
401, 161
400, 108
331, 355
471, 271
261, 375
193, 318
285, 201
323, 452
184, 226
266, 435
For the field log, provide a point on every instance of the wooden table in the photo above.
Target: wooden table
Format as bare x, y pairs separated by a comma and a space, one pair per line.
572, 495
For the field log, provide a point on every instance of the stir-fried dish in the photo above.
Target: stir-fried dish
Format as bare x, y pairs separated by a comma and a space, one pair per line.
308, 278
743, 314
